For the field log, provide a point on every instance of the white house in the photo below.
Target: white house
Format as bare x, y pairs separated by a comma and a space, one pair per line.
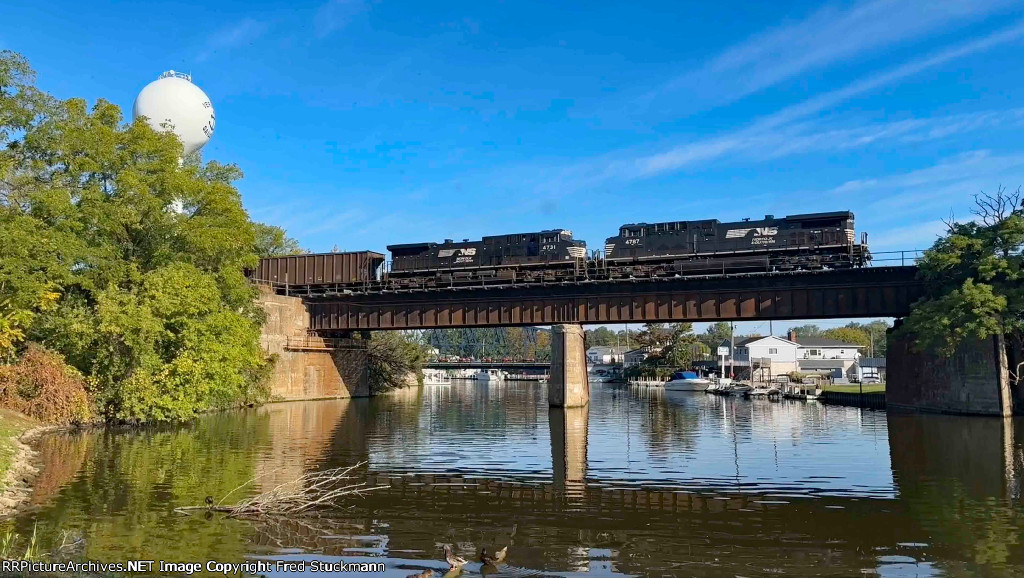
604, 355
827, 356
636, 356
766, 357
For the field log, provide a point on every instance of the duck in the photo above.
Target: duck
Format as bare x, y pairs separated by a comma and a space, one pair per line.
492, 559
425, 574
452, 559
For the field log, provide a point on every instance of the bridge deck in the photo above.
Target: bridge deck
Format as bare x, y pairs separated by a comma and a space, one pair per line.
868, 292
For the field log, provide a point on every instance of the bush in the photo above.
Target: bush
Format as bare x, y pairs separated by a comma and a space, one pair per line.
42, 385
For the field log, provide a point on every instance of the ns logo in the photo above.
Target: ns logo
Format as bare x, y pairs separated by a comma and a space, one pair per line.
758, 232
445, 253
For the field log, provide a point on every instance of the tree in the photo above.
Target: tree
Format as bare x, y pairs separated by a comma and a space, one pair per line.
123, 260
272, 241
973, 280
653, 335
809, 330
602, 336
684, 347
851, 335
391, 358
876, 345
715, 334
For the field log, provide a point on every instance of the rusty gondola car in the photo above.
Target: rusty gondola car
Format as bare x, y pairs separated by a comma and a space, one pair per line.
320, 271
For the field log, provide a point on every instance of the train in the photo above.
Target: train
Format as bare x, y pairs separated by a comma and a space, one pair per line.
811, 241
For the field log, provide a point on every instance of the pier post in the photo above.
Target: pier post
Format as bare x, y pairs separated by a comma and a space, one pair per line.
568, 385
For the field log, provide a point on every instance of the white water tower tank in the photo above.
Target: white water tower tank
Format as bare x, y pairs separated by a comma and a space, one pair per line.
174, 101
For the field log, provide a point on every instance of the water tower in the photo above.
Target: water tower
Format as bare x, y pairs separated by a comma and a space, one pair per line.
173, 102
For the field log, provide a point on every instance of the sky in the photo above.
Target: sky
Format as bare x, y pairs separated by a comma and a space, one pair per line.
360, 124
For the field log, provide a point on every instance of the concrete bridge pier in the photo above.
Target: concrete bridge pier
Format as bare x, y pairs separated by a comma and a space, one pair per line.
568, 385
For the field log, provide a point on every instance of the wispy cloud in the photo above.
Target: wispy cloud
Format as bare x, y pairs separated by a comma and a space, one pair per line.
245, 31
830, 35
792, 129
335, 15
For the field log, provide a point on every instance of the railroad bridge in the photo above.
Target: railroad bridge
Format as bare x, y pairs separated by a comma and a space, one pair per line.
823, 294
865, 292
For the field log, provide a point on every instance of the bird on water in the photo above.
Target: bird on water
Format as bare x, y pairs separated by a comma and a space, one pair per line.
425, 574
453, 560
209, 501
492, 559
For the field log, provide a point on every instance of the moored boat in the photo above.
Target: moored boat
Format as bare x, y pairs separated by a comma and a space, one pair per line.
490, 375
687, 381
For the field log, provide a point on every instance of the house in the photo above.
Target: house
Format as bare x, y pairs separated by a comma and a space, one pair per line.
763, 358
826, 356
635, 357
871, 369
605, 354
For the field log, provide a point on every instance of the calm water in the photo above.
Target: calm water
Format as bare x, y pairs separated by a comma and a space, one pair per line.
640, 483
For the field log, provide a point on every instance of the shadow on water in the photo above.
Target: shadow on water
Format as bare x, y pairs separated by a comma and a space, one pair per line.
639, 482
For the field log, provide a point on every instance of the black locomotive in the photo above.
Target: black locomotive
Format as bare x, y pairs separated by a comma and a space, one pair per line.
526, 257
811, 241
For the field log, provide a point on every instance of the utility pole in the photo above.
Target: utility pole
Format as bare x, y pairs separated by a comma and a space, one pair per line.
732, 350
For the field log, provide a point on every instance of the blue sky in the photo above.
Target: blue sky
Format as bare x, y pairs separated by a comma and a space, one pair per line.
360, 124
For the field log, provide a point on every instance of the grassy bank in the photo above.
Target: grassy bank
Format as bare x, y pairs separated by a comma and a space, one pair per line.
12, 425
855, 388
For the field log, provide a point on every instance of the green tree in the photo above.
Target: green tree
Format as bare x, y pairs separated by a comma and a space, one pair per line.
654, 335
684, 347
973, 279
809, 330
122, 259
602, 336
273, 241
852, 335
392, 358
715, 334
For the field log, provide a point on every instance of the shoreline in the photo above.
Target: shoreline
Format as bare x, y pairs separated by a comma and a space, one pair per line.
22, 471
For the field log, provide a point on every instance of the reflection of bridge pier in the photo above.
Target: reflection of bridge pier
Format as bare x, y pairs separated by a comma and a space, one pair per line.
569, 448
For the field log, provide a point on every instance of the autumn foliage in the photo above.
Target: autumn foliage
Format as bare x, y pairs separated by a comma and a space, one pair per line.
43, 386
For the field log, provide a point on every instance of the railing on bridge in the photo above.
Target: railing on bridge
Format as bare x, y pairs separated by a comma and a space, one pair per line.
313, 342
894, 258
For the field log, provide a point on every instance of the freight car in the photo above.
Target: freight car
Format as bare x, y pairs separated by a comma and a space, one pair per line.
322, 271
811, 241
519, 257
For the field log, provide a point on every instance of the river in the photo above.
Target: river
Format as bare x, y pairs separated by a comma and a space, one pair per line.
640, 483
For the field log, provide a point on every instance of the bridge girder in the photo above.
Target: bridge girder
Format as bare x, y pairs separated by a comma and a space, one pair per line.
867, 292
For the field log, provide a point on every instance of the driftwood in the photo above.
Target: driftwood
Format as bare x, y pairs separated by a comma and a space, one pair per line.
309, 492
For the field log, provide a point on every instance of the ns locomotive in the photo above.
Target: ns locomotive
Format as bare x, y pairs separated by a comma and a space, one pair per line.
810, 241
526, 257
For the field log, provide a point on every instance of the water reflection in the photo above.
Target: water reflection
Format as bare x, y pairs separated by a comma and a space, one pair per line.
640, 482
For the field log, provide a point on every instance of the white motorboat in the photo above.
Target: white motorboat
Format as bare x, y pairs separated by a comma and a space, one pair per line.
490, 375
687, 381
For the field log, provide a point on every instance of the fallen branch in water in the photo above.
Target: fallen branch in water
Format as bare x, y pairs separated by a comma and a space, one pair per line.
314, 490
